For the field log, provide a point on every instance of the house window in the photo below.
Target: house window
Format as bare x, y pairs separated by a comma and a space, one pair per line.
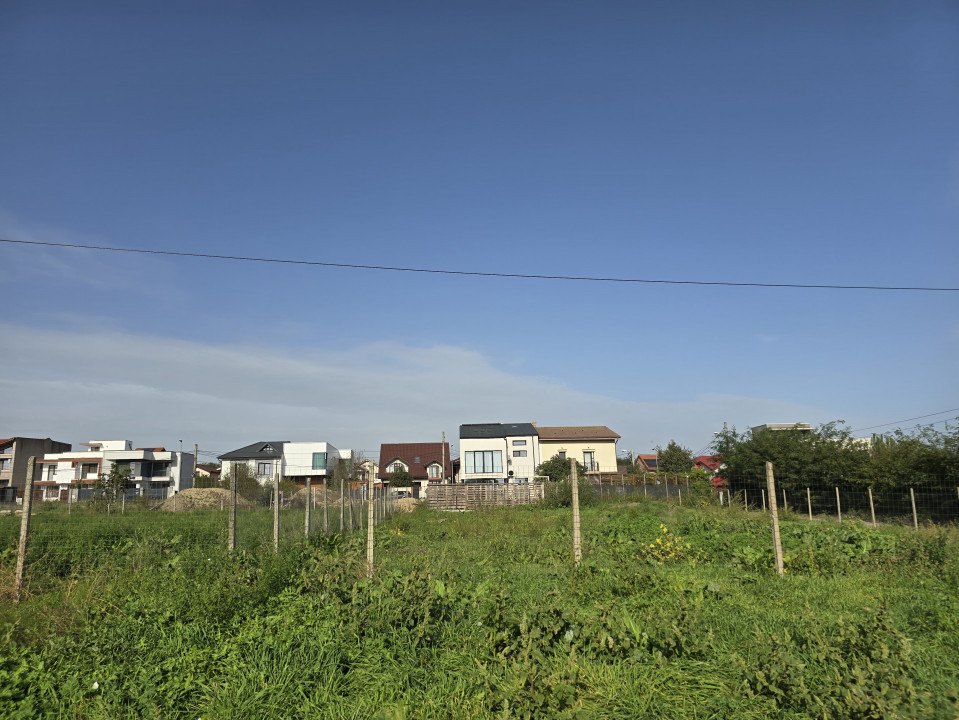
562, 454
396, 466
519, 453
519, 442
433, 471
51, 471
319, 461
5, 464
484, 461
416, 459
264, 469
589, 459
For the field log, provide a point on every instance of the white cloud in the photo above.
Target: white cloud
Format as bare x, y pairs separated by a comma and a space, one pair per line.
102, 384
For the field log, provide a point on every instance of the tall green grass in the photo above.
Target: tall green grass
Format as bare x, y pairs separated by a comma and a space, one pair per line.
482, 615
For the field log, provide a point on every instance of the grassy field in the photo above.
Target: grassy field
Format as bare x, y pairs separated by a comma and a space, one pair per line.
674, 614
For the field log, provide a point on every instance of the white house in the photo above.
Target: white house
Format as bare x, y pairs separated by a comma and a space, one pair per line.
498, 452
294, 461
154, 472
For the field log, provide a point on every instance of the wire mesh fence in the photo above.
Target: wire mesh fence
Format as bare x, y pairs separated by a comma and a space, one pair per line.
55, 540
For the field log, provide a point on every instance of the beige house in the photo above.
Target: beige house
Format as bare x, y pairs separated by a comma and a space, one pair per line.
592, 445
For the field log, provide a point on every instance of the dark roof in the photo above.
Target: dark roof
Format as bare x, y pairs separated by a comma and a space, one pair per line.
497, 430
263, 449
578, 432
428, 453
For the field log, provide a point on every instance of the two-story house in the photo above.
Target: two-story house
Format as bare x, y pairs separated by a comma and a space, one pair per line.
499, 452
296, 461
153, 471
15, 454
592, 445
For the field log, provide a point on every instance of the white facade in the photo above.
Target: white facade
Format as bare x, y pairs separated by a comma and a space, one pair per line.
154, 472
297, 461
512, 458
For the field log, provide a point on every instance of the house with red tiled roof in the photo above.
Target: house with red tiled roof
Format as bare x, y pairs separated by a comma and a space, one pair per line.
425, 462
708, 462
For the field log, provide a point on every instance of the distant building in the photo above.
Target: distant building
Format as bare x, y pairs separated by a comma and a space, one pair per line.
15, 453
208, 470
154, 471
426, 462
592, 445
647, 462
498, 452
295, 461
799, 427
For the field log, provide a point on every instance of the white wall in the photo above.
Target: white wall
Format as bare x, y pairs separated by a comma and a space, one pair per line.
522, 467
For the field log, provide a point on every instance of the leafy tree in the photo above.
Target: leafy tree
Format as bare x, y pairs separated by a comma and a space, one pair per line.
557, 469
400, 478
247, 485
799, 457
111, 486
674, 458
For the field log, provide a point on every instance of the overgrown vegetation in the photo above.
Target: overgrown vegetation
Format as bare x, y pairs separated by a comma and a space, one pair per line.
924, 457
675, 613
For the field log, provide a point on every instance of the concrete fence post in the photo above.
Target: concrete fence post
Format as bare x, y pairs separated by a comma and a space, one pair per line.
24, 528
915, 518
577, 544
369, 527
774, 518
838, 505
231, 518
809, 502
872, 508
309, 502
276, 513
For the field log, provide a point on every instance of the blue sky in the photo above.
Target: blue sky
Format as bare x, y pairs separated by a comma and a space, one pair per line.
743, 142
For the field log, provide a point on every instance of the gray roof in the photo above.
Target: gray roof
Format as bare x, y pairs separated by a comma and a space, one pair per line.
496, 430
263, 449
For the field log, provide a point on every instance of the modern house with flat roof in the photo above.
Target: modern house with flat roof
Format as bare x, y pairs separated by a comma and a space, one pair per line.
154, 471
15, 454
499, 452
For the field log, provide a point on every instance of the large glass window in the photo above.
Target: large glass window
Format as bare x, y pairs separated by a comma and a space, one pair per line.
519, 442
319, 461
433, 471
264, 469
484, 461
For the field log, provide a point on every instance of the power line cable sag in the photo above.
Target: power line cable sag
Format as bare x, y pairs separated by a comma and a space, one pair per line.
438, 271
918, 417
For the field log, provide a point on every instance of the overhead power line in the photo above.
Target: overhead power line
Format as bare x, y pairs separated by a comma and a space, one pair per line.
896, 422
438, 271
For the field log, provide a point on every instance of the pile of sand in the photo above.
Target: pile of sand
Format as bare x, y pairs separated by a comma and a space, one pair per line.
407, 504
203, 499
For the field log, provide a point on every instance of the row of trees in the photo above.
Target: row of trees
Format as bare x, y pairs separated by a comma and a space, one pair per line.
829, 453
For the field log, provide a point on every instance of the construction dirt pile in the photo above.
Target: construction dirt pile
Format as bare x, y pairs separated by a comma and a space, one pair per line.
407, 504
203, 499
299, 498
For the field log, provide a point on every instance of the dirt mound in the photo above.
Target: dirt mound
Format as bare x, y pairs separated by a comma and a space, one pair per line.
407, 504
299, 498
203, 499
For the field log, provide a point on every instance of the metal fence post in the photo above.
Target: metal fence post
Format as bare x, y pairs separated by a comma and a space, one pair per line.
24, 528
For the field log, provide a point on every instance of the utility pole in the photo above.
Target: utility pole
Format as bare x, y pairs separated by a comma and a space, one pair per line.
196, 451
443, 455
